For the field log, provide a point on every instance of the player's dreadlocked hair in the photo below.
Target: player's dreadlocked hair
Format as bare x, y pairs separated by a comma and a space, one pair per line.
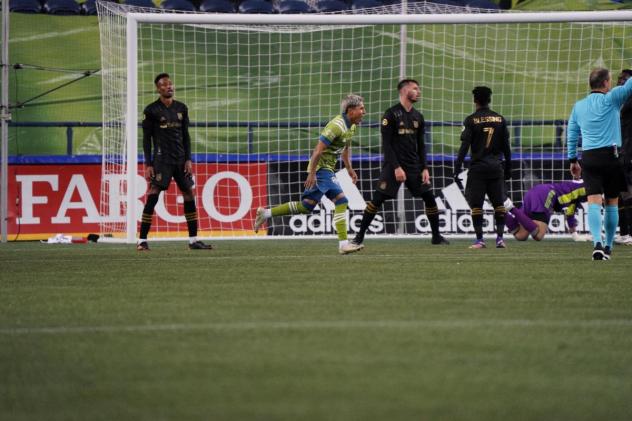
482, 95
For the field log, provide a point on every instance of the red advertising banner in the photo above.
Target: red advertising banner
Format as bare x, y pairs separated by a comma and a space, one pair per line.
48, 199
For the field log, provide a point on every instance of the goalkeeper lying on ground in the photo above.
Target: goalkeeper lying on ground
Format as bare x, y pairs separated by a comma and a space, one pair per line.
539, 203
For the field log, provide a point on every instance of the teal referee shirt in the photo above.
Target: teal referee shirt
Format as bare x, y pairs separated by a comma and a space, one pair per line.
597, 118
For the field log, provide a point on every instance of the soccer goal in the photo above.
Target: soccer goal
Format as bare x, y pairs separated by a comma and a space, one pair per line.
260, 87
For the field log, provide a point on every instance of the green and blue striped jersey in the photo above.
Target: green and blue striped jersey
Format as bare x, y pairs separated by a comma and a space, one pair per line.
336, 135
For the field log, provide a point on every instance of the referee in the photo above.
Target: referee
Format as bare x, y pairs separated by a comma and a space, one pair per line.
166, 129
485, 132
596, 118
404, 161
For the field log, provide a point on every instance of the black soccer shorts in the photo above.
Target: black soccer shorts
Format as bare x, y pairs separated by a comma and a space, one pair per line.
477, 187
163, 173
389, 186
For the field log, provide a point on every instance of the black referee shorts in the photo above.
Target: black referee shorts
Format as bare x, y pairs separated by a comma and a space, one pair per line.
602, 172
163, 173
388, 185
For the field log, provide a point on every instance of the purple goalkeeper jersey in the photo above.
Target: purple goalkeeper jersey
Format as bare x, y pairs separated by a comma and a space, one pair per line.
555, 197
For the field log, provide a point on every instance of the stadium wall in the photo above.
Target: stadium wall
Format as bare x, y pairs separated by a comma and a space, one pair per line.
52, 195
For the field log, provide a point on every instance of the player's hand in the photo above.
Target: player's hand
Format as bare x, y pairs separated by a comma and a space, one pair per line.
576, 170
353, 175
311, 181
400, 175
457, 179
425, 176
188, 167
149, 173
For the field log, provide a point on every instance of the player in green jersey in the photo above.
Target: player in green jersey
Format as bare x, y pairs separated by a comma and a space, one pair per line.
334, 142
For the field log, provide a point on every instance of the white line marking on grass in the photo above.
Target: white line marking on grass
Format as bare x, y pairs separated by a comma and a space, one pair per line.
53, 34
318, 325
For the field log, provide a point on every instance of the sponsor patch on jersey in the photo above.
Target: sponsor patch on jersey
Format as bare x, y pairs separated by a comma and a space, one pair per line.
383, 185
384, 122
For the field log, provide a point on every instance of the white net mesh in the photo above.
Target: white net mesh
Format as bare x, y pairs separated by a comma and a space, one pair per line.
258, 97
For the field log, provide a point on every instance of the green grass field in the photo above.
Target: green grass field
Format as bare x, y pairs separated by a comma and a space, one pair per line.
289, 330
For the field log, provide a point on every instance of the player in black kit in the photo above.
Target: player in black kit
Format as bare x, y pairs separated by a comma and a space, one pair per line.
166, 128
402, 132
486, 133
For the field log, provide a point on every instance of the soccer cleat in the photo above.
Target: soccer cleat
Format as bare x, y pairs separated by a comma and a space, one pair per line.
440, 239
621, 239
500, 243
259, 219
598, 253
142, 246
350, 247
357, 243
478, 244
607, 252
358, 239
198, 245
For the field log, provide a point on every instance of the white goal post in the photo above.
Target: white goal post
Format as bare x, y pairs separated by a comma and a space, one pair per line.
556, 43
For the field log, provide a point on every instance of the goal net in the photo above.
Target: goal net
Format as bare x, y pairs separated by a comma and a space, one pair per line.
259, 94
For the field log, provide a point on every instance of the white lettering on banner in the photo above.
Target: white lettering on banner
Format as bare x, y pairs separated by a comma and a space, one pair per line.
86, 203
322, 222
245, 196
116, 200
28, 200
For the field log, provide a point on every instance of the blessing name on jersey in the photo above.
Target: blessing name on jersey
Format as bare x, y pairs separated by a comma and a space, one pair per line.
487, 119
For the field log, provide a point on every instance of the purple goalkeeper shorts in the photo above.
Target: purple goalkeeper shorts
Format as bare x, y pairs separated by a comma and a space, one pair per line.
534, 202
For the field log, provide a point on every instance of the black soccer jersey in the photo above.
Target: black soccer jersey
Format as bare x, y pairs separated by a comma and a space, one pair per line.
626, 130
166, 129
403, 138
486, 133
